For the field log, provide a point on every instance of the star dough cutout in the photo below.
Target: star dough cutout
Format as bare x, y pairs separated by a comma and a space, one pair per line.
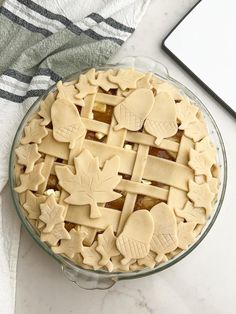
51, 213
32, 204
126, 78
201, 195
27, 155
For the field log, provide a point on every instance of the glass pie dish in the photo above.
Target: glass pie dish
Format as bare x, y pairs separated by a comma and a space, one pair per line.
99, 279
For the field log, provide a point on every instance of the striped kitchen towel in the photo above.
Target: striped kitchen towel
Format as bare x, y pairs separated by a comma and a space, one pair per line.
40, 42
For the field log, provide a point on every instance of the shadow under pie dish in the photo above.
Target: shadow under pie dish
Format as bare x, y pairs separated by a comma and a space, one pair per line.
119, 170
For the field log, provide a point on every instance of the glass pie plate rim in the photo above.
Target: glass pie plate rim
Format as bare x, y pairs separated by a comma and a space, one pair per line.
99, 279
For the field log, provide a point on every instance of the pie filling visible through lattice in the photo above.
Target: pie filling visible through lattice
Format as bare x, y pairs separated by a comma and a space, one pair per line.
116, 171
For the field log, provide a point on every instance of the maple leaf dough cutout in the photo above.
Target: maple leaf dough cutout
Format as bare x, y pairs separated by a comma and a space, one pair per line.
58, 232
91, 256
27, 155
84, 87
185, 234
67, 124
68, 92
134, 241
205, 145
51, 213
164, 238
192, 214
34, 132
161, 121
201, 195
196, 130
45, 109
201, 163
71, 246
149, 260
32, 204
132, 112
186, 113
126, 78
107, 247
90, 185
102, 80
31, 180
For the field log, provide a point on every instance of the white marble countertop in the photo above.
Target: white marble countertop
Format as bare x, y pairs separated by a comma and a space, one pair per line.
205, 281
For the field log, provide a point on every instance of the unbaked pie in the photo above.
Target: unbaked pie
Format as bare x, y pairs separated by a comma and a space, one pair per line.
116, 171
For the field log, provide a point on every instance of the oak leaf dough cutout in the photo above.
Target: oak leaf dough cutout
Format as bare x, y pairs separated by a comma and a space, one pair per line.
134, 241
91, 256
27, 155
84, 87
192, 214
71, 246
69, 92
67, 124
205, 145
107, 247
126, 78
51, 213
186, 113
34, 132
196, 130
201, 196
32, 204
103, 81
133, 110
161, 121
164, 238
201, 163
90, 185
45, 109
58, 232
185, 234
31, 180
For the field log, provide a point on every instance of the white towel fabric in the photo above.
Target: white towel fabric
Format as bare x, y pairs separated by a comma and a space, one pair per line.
103, 20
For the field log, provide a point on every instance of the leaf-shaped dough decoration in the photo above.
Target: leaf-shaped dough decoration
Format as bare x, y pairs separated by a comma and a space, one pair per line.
51, 213
161, 121
58, 232
71, 246
27, 155
185, 234
67, 124
103, 81
149, 260
45, 109
134, 241
165, 87
164, 239
34, 132
192, 214
132, 112
126, 78
201, 196
31, 180
205, 145
32, 204
91, 256
84, 87
107, 246
186, 112
196, 130
68, 92
201, 163
117, 266
90, 185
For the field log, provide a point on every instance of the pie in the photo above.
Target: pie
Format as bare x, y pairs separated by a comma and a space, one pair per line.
116, 171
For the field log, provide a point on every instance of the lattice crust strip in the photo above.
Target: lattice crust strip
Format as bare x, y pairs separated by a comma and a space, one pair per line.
150, 206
